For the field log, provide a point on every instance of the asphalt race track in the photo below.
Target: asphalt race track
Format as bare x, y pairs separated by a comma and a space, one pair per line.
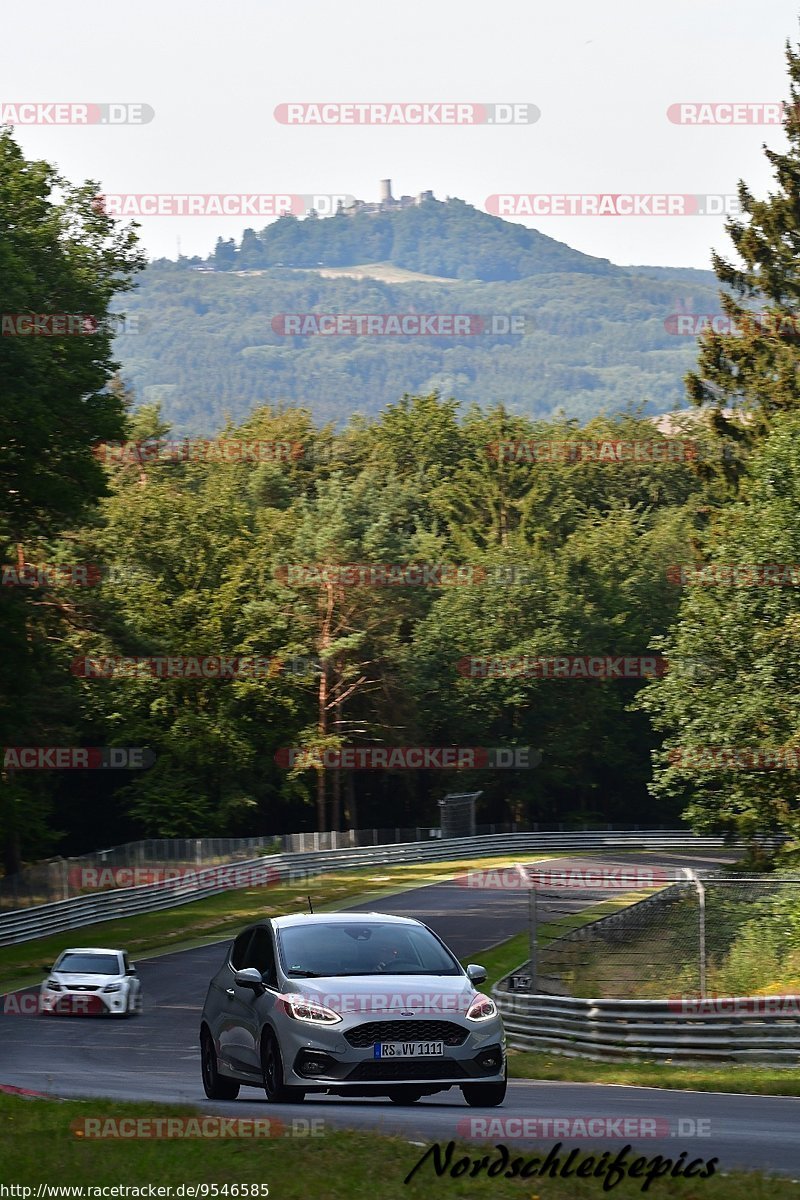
156, 1056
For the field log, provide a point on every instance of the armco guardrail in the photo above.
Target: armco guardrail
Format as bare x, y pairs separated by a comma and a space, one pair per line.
25, 924
757, 1029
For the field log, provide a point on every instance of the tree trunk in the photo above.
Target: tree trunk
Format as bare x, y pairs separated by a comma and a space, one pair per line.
336, 798
12, 853
327, 600
322, 729
351, 803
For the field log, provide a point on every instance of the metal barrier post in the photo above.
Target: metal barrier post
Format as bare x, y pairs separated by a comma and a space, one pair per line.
534, 948
701, 893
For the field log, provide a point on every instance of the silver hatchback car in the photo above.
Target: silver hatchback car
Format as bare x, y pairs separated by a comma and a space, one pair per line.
353, 1004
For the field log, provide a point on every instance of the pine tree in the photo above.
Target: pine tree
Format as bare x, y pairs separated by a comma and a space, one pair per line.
747, 376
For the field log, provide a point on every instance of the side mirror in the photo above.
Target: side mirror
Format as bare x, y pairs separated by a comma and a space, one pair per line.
476, 974
131, 970
249, 977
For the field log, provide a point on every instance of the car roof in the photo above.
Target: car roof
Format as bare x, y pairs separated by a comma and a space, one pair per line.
89, 950
340, 918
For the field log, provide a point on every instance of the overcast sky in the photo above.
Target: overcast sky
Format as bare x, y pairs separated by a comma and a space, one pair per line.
603, 76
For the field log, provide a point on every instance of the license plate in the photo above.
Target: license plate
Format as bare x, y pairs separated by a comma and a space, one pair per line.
408, 1049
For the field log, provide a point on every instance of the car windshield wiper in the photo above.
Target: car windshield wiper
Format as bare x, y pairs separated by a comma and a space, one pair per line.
306, 974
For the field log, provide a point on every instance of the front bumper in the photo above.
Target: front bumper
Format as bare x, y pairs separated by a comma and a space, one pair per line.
326, 1058
82, 1003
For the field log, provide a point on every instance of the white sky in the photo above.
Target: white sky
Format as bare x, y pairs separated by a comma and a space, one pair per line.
603, 76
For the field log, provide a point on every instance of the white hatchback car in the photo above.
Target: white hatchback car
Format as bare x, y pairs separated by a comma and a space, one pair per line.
89, 981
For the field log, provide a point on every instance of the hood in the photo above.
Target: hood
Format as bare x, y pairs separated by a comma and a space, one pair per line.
73, 979
388, 995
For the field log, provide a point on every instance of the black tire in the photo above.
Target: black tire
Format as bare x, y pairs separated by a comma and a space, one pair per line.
128, 1011
215, 1086
272, 1072
485, 1095
404, 1095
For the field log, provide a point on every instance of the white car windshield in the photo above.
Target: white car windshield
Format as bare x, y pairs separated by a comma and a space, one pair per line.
89, 964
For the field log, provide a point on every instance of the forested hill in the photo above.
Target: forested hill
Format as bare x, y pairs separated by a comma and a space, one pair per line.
208, 340
450, 239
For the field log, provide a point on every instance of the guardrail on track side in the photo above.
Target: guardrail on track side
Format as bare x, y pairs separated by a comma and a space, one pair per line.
756, 1029
22, 925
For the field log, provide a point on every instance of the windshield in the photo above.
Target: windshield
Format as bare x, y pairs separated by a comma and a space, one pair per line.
369, 949
89, 964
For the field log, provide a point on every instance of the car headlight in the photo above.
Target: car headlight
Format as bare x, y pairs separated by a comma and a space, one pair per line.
112, 987
307, 1010
53, 985
481, 1008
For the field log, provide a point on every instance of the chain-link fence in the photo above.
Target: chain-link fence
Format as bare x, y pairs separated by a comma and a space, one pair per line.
119, 866
700, 936
458, 814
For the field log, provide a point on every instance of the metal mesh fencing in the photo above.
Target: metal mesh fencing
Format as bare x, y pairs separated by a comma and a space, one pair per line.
458, 814
722, 934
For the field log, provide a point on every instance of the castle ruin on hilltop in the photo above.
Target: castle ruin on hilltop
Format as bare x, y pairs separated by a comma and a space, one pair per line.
387, 202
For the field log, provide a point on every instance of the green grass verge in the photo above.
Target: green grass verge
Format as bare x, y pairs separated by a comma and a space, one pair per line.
221, 916
38, 1145
696, 1077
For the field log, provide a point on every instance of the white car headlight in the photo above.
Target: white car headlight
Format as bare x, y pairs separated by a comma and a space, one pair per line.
112, 987
482, 1008
53, 985
307, 1010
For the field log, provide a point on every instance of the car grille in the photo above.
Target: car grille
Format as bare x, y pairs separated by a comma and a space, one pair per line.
82, 987
407, 1031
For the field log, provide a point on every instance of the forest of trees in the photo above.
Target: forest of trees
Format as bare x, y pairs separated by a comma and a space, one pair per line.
204, 346
196, 555
597, 337
451, 239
